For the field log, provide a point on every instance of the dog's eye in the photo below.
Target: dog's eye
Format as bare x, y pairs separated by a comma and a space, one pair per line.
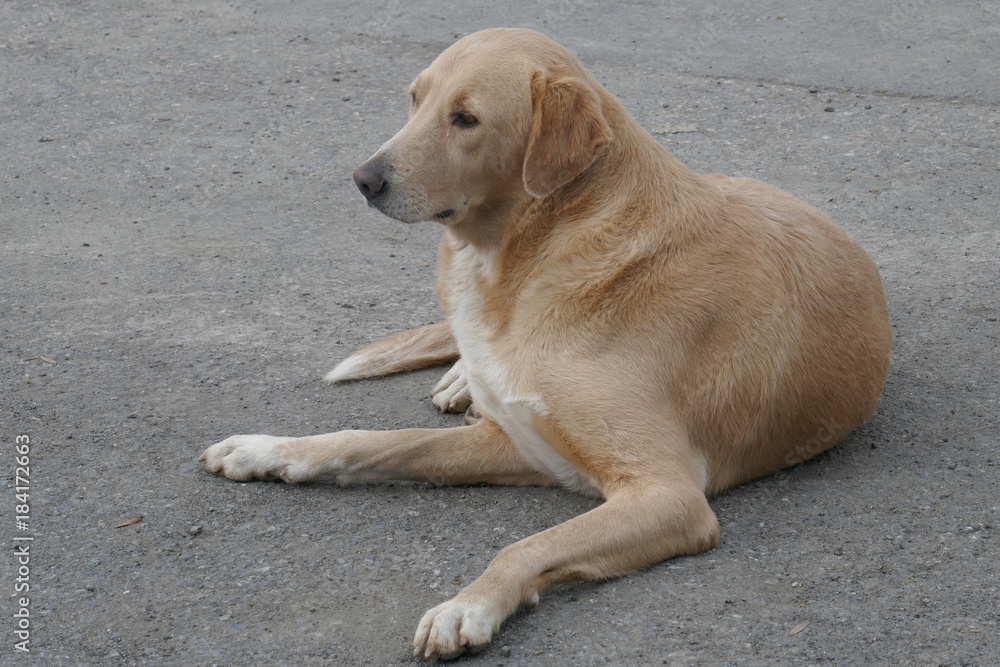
464, 119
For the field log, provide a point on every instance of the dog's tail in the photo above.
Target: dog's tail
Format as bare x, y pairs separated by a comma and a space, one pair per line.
407, 351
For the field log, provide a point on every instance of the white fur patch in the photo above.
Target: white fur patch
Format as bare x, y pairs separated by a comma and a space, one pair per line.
489, 381
351, 368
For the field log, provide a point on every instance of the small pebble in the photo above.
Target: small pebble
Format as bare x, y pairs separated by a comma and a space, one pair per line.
194, 530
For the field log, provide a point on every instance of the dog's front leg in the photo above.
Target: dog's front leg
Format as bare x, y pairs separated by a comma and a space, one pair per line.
639, 525
481, 453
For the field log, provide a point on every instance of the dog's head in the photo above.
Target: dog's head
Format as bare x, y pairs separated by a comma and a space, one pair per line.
501, 116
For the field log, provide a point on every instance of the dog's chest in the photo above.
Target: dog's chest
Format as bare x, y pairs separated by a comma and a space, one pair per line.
513, 408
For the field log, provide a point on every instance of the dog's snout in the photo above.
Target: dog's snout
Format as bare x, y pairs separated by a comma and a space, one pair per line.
370, 180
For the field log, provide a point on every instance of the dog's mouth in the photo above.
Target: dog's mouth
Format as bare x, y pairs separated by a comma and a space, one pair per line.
408, 214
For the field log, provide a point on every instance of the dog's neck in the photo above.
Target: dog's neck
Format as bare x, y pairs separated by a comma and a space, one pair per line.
487, 224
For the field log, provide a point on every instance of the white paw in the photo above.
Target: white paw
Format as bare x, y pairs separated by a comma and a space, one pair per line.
244, 457
452, 394
453, 629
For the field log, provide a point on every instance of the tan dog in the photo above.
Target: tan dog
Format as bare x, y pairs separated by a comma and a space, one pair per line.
627, 328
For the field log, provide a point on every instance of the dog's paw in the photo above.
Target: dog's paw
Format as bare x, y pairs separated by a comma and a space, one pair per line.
473, 415
453, 629
452, 394
245, 457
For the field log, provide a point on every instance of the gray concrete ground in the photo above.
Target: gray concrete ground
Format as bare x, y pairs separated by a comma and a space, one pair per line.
184, 255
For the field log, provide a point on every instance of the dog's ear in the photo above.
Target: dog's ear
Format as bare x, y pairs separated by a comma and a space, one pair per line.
568, 132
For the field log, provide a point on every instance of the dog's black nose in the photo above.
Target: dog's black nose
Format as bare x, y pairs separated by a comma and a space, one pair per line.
370, 181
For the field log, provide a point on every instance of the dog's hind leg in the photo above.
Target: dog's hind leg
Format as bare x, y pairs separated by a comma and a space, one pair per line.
422, 347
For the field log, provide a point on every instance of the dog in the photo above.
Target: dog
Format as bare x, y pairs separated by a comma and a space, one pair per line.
620, 326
